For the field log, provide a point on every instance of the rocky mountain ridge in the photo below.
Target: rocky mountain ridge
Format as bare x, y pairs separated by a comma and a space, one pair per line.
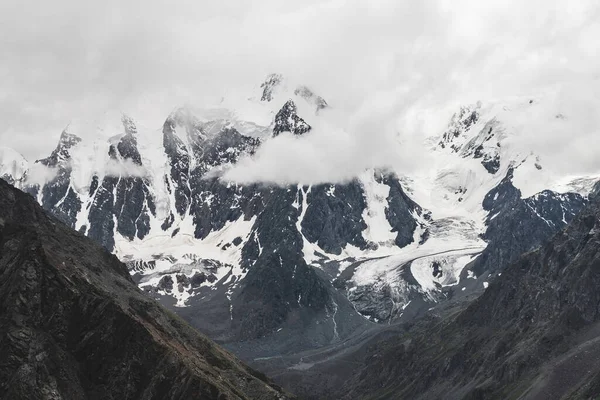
74, 325
320, 262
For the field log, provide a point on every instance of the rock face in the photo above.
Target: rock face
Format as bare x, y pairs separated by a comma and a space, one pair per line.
334, 218
58, 195
533, 333
311, 97
484, 146
279, 279
516, 225
74, 325
123, 202
269, 85
287, 120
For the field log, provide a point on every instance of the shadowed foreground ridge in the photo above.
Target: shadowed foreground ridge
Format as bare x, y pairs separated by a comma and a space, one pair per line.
534, 333
73, 325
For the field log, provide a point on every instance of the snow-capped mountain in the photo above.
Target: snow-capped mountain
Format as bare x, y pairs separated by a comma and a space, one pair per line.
255, 260
13, 166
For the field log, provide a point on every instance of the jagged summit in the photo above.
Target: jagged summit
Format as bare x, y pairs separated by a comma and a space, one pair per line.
184, 123
103, 126
309, 96
128, 124
270, 84
465, 137
276, 87
62, 151
460, 123
184, 116
287, 120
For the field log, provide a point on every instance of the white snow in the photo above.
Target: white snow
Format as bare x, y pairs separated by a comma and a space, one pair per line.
12, 163
578, 184
184, 243
378, 228
309, 249
184, 250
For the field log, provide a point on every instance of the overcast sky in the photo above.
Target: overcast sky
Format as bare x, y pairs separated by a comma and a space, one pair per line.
400, 63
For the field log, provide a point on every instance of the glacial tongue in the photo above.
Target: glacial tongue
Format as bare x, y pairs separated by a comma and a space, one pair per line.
523, 338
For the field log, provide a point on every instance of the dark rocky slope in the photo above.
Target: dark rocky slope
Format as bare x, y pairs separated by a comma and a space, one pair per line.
74, 326
534, 333
516, 225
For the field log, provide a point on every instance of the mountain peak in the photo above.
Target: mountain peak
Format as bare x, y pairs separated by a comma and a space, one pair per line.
67, 140
61, 153
191, 128
276, 84
269, 85
128, 124
461, 122
311, 97
183, 116
13, 166
287, 120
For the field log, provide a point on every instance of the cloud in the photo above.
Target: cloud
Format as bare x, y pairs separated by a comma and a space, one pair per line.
561, 128
387, 67
333, 151
124, 169
40, 174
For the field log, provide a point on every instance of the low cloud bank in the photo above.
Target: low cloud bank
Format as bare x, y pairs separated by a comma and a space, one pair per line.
393, 71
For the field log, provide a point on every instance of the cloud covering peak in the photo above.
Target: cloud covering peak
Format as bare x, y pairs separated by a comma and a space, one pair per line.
393, 72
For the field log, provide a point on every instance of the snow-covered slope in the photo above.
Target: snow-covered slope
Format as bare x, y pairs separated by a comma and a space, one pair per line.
386, 244
13, 165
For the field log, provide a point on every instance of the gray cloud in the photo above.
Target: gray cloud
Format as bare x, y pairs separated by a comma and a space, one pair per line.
386, 66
